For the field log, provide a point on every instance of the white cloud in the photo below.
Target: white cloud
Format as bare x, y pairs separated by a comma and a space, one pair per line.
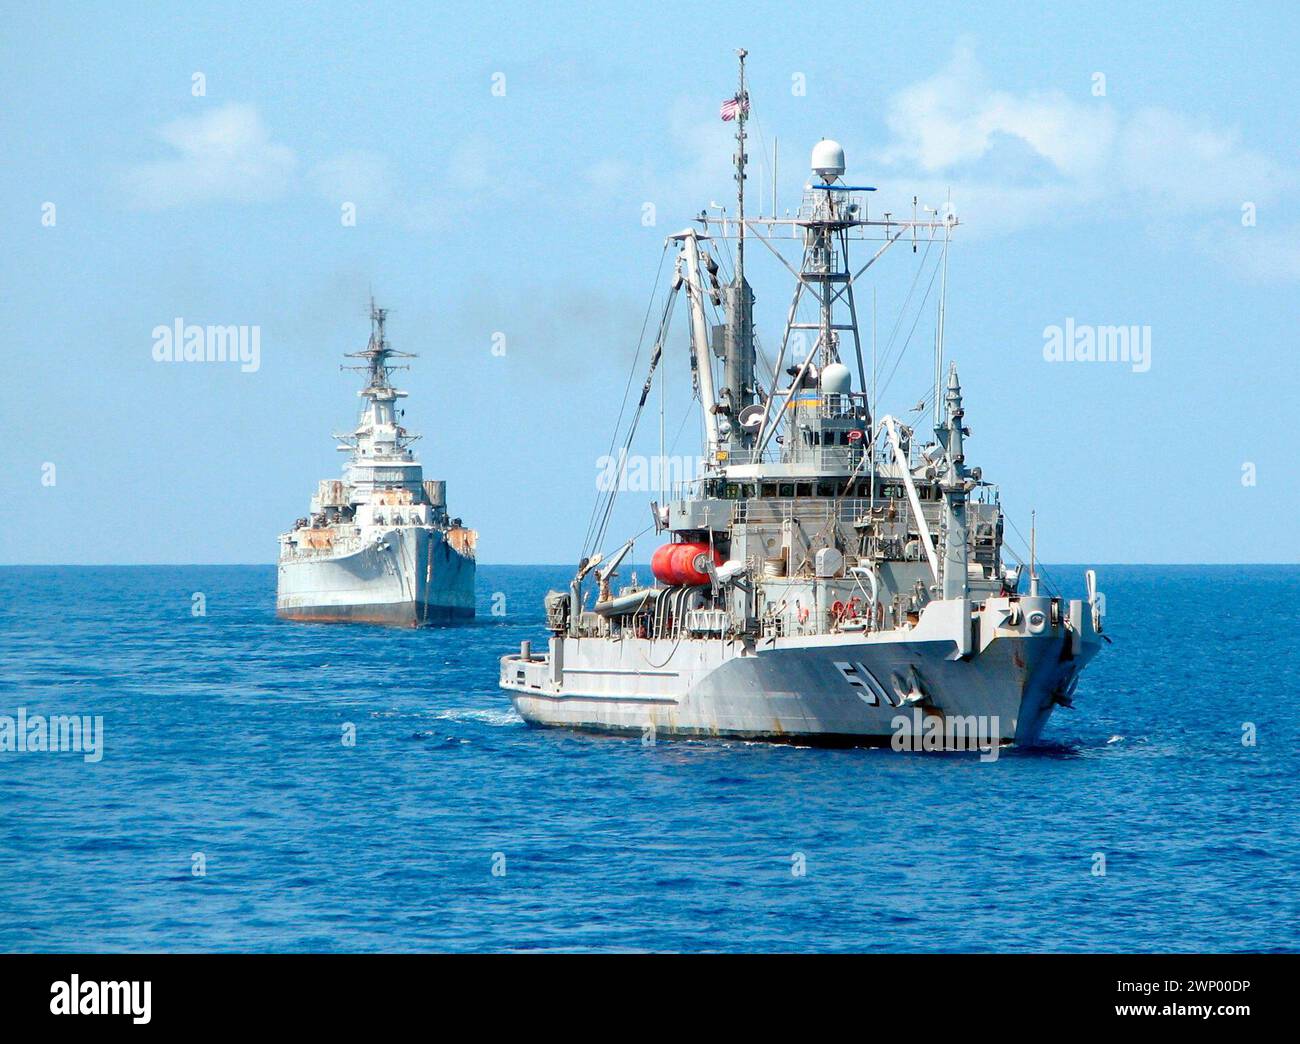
225, 154
1016, 160
228, 154
955, 118
1166, 159
464, 184
699, 171
357, 177
1009, 160
1259, 253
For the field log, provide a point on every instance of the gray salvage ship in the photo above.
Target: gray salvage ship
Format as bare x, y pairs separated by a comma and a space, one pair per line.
841, 582
378, 546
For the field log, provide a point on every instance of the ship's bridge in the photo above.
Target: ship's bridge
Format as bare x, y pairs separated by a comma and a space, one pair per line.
380, 472
826, 432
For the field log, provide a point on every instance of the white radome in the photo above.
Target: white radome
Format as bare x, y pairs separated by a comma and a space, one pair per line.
836, 379
828, 159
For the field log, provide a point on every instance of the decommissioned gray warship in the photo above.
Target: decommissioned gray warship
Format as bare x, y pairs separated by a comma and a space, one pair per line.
842, 582
378, 546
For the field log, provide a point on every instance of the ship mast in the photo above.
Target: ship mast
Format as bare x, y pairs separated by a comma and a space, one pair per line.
738, 345
378, 348
379, 393
742, 114
938, 326
377, 353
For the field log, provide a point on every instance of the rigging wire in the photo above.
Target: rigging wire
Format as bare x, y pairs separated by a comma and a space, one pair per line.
919, 312
902, 312
600, 536
1052, 587
605, 506
627, 388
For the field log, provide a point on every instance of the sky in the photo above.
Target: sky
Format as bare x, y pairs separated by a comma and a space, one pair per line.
512, 176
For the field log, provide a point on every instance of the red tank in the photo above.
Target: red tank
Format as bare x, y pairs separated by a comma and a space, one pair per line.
675, 564
661, 564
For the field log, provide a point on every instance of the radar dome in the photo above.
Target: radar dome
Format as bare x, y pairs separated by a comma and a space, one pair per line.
828, 159
836, 379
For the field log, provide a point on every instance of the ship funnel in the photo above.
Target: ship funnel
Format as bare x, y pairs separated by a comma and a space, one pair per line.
435, 492
828, 160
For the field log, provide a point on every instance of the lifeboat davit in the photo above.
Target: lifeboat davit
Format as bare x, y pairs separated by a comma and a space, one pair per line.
679, 565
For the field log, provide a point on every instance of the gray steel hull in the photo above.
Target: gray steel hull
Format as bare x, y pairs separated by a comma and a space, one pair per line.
407, 577
825, 691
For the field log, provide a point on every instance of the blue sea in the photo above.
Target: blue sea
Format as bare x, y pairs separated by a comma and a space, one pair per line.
228, 814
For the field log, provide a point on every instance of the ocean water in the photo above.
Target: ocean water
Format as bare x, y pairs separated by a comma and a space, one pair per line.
223, 748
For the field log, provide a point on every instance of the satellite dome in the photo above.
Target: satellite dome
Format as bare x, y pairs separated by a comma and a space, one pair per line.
836, 379
828, 159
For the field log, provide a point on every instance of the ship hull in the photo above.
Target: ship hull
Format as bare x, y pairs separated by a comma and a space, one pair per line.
398, 614
830, 691
402, 577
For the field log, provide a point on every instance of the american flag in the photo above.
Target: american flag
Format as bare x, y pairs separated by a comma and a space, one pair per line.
733, 107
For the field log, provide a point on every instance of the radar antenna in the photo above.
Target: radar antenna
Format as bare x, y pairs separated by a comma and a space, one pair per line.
378, 352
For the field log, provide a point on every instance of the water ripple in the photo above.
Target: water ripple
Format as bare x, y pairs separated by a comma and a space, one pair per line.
232, 812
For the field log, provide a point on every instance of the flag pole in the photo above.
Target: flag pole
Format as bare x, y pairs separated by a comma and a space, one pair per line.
742, 102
